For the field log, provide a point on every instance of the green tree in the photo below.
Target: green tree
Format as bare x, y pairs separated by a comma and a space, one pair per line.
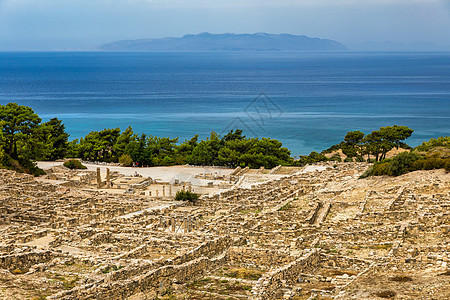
234, 135
126, 160
392, 137
56, 139
139, 151
123, 140
19, 123
206, 153
99, 145
372, 144
184, 150
352, 145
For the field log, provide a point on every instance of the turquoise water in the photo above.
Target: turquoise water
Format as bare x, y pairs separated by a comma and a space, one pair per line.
308, 101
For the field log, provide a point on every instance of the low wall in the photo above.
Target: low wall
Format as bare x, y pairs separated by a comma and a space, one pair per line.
272, 282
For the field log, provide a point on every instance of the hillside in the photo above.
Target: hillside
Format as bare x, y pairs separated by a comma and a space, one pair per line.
316, 232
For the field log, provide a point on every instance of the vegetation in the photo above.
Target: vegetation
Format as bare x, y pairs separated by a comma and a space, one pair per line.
186, 196
232, 150
355, 145
243, 273
74, 164
434, 143
126, 160
434, 154
24, 139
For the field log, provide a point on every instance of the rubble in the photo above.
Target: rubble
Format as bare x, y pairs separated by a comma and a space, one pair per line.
286, 233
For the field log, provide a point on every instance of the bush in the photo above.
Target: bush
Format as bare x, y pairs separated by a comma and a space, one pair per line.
403, 163
74, 164
429, 163
433, 143
186, 196
313, 157
359, 159
20, 165
126, 160
348, 159
406, 162
383, 168
335, 157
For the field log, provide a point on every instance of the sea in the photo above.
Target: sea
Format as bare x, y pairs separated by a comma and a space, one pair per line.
308, 101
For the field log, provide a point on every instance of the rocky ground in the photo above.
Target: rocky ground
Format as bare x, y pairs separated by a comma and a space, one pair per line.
313, 233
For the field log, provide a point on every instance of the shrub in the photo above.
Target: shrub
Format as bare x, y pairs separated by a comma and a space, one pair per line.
382, 168
432, 143
335, 157
359, 159
406, 162
125, 160
402, 163
313, 157
243, 273
348, 159
430, 163
74, 164
186, 196
21, 165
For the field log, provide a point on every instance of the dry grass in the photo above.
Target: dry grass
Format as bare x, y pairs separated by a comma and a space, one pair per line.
243, 273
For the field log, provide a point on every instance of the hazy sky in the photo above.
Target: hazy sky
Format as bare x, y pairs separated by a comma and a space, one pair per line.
63, 24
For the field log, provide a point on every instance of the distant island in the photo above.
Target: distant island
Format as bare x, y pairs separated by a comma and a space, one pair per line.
227, 42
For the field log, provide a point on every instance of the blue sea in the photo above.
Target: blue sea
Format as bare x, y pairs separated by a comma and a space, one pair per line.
306, 100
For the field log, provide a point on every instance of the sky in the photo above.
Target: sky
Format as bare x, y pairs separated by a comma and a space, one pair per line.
84, 24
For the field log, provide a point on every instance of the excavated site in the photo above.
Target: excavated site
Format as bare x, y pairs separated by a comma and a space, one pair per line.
317, 232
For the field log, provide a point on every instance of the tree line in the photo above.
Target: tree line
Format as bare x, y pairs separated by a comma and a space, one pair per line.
232, 150
24, 138
357, 145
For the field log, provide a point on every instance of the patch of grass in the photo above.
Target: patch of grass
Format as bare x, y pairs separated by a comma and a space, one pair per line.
382, 246
243, 273
354, 247
39, 297
250, 211
19, 271
207, 279
110, 269
70, 284
285, 207
342, 272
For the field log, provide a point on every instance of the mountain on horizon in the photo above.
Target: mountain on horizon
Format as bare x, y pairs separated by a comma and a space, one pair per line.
227, 42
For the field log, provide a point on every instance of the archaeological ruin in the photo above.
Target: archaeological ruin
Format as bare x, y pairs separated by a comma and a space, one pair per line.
314, 232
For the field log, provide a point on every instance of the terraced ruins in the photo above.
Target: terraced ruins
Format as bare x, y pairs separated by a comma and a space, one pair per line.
288, 233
